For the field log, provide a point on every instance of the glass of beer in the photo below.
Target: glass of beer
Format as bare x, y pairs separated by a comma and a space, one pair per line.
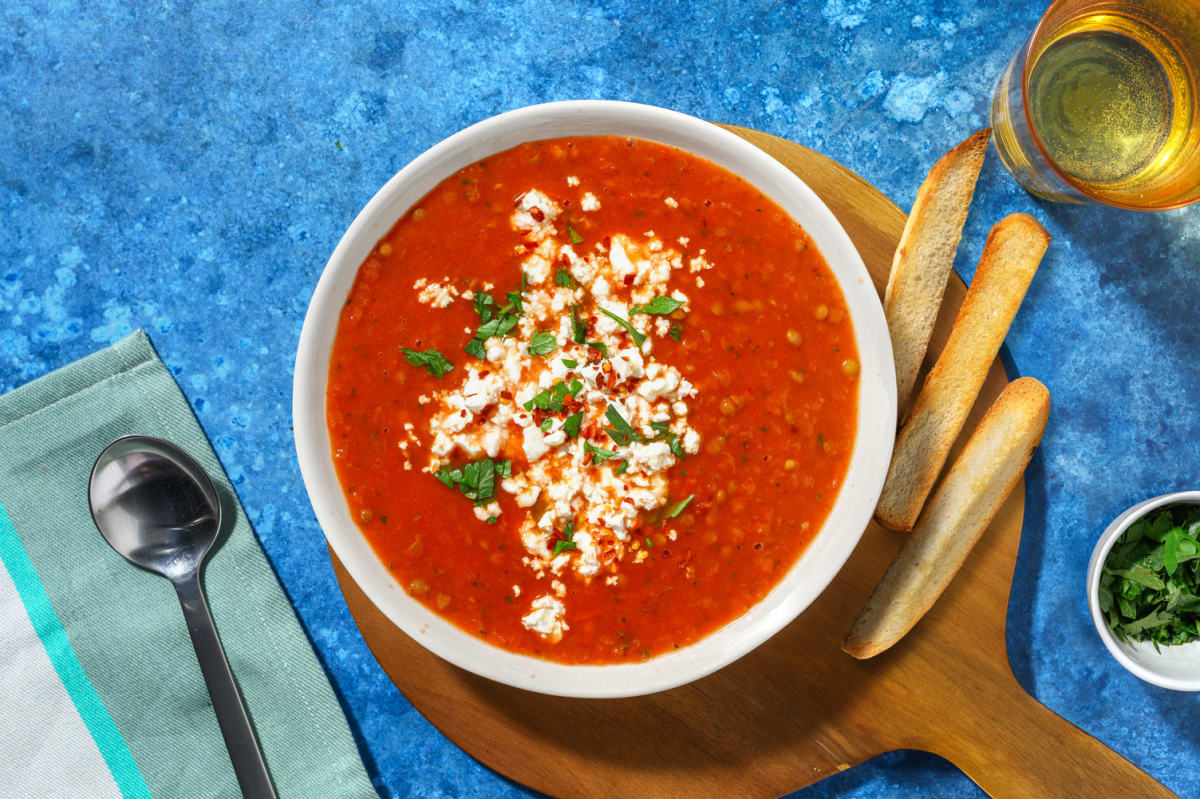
1103, 103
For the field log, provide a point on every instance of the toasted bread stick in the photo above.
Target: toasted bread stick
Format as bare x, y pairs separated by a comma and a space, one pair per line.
925, 256
1011, 256
965, 503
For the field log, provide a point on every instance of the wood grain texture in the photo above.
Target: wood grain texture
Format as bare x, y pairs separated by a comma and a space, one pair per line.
798, 708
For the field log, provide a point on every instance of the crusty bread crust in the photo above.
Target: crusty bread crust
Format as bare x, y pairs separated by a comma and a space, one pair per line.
922, 263
1010, 258
965, 504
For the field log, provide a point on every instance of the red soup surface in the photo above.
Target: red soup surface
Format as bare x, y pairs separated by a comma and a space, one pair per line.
591, 398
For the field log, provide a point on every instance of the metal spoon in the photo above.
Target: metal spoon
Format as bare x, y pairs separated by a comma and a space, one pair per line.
158, 508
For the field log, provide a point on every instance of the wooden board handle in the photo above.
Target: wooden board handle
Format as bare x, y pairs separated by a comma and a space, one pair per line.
1017, 747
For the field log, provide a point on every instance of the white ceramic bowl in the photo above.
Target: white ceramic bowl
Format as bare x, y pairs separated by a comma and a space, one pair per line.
824, 556
1174, 667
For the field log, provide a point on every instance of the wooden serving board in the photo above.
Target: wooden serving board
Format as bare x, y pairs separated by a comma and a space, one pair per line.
796, 709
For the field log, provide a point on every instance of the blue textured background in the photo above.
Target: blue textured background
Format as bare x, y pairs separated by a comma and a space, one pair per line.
174, 166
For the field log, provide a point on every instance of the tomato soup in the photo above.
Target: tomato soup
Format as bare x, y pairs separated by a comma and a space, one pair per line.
591, 398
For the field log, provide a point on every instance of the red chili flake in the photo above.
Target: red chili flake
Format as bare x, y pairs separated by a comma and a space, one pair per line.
708, 203
629, 280
506, 394
593, 355
536, 213
529, 245
607, 242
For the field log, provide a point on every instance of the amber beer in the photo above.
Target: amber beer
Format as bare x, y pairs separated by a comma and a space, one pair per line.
1102, 104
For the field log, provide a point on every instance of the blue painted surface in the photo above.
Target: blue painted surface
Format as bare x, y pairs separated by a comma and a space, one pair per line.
176, 166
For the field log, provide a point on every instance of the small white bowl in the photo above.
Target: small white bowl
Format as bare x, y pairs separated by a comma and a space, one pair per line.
1174, 667
819, 563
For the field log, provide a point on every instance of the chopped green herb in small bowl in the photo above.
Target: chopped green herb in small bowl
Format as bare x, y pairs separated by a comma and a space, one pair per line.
1144, 590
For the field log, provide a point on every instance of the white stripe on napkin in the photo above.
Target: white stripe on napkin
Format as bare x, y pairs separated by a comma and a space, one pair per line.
45, 749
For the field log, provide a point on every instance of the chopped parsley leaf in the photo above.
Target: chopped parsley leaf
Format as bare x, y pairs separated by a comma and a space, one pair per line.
563, 278
578, 328
514, 299
678, 509
622, 468
575, 237
638, 336
482, 302
665, 434
675, 332
599, 346
546, 424
569, 363
658, 305
575, 387
567, 542
432, 360
476, 480
598, 455
475, 347
496, 327
493, 519
621, 432
649, 544
542, 344
572, 424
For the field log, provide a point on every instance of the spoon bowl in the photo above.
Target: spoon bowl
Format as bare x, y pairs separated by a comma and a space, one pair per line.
155, 505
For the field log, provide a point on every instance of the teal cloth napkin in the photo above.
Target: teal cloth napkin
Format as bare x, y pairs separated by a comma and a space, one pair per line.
100, 691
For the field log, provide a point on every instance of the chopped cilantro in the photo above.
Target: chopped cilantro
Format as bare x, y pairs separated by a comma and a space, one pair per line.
493, 519
575, 387
575, 237
658, 305
569, 363
482, 302
665, 434
638, 336
514, 299
496, 327
542, 344
678, 509
675, 332
563, 278
546, 424
572, 423
432, 360
649, 544
600, 347
622, 468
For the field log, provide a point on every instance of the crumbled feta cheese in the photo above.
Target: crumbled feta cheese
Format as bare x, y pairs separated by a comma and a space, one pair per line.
485, 512
589, 202
546, 618
572, 180
671, 202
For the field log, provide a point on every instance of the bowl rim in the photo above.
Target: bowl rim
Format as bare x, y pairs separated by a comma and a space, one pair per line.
875, 428
1100, 554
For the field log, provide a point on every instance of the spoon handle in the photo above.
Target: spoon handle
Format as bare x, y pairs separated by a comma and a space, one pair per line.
231, 713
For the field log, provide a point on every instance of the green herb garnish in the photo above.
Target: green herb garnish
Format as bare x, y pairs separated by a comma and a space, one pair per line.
567, 542
475, 347
675, 332
432, 360
1150, 584
638, 336
546, 424
649, 544
542, 344
665, 434
563, 278
578, 328
678, 509
621, 432
569, 363
575, 237
572, 424
598, 455
624, 467
600, 347
476, 480
658, 305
